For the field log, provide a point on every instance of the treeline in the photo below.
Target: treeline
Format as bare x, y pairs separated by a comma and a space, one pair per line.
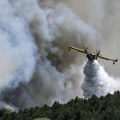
94, 108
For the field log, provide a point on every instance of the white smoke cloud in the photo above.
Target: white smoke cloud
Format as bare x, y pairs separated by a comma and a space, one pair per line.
17, 50
54, 62
8, 106
15, 64
36, 67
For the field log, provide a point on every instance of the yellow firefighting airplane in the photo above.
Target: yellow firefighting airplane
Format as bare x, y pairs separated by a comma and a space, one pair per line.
92, 56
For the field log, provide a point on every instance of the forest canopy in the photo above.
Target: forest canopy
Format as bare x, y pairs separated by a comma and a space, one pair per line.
94, 108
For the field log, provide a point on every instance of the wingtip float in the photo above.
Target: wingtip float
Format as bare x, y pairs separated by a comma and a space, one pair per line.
92, 56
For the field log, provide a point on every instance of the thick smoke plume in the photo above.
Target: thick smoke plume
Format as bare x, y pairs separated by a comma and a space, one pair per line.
35, 66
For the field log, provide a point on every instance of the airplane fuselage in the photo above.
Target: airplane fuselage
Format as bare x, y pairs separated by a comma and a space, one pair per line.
91, 56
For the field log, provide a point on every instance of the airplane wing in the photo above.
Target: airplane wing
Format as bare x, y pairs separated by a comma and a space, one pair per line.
105, 58
77, 49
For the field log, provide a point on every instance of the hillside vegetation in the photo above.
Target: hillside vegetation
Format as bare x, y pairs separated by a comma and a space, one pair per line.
103, 108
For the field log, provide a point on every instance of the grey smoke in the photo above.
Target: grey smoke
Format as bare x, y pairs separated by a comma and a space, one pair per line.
36, 67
